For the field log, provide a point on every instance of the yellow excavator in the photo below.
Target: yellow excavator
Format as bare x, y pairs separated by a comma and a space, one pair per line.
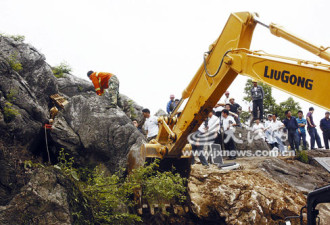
227, 57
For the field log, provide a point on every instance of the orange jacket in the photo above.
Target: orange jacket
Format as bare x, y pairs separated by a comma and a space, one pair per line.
100, 81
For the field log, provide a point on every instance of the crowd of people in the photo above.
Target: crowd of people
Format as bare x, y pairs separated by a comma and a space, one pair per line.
226, 116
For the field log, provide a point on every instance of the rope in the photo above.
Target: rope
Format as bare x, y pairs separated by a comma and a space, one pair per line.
47, 144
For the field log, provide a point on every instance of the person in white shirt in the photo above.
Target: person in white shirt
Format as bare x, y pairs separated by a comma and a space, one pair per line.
268, 132
276, 127
221, 103
150, 125
258, 130
208, 129
211, 124
228, 124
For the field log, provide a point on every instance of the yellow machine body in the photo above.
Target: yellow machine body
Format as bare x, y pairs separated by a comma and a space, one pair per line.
229, 56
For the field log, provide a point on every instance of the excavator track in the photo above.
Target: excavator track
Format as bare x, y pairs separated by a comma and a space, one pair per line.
182, 166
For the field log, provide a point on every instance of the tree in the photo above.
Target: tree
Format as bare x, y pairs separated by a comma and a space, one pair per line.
270, 105
289, 104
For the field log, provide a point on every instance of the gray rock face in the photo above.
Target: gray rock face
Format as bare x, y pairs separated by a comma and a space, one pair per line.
96, 132
24, 96
85, 129
44, 200
161, 112
248, 140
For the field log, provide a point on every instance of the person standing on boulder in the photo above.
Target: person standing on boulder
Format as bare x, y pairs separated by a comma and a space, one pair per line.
102, 81
257, 94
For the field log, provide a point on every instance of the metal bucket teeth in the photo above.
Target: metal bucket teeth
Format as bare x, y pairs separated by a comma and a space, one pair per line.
163, 208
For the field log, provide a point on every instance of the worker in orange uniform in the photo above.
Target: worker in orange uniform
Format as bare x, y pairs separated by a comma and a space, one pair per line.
103, 80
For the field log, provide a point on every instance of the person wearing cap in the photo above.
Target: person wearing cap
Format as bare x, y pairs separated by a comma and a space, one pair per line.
257, 94
170, 105
109, 81
311, 127
235, 108
325, 127
221, 104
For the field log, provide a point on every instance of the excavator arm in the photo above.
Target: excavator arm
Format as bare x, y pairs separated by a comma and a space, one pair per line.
291, 76
229, 56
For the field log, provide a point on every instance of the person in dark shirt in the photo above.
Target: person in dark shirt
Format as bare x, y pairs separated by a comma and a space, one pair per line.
137, 125
311, 127
291, 125
325, 127
257, 94
235, 108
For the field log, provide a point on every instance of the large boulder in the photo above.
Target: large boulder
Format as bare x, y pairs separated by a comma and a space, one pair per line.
90, 131
264, 190
248, 140
96, 133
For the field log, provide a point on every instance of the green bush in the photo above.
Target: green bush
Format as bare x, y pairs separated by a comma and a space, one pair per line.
80, 88
302, 156
14, 63
110, 196
11, 96
17, 37
9, 113
61, 69
159, 187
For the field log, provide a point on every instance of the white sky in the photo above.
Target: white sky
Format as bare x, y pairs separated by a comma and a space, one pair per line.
155, 47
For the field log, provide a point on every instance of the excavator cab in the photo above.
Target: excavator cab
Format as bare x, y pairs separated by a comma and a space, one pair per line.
318, 196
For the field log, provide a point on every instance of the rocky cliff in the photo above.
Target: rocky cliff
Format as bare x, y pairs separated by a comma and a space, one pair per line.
86, 130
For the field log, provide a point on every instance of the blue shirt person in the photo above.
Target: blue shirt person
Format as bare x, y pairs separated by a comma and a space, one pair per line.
170, 105
301, 131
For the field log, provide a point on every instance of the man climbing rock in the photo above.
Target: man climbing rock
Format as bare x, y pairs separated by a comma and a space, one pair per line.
103, 80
